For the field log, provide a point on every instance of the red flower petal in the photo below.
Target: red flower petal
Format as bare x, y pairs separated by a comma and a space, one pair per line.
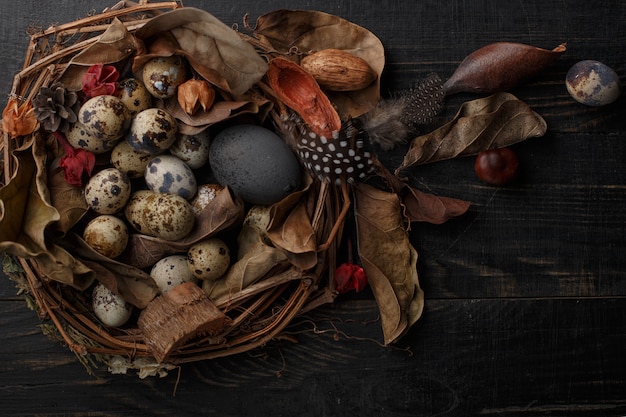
349, 277
100, 80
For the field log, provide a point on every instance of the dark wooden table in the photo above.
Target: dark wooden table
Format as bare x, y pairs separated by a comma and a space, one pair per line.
525, 295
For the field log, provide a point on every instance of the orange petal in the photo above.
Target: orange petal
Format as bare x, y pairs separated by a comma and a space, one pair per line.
18, 120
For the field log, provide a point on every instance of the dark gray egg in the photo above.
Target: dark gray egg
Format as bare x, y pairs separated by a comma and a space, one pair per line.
255, 163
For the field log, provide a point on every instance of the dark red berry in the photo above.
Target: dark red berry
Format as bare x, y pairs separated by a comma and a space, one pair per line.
497, 166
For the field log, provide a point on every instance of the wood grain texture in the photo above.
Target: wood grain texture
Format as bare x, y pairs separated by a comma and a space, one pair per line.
525, 295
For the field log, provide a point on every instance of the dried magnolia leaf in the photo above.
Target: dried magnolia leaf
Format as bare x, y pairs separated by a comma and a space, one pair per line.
114, 46
132, 284
25, 209
311, 31
219, 214
491, 122
500, 66
214, 50
389, 259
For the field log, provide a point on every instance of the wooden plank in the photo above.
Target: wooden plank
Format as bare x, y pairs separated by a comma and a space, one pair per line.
466, 357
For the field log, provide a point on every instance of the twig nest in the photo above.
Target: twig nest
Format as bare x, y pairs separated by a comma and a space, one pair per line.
168, 174
107, 235
109, 307
255, 163
107, 191
171, 272
208, 259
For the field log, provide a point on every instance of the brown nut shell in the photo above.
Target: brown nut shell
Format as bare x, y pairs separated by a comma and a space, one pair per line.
338, 70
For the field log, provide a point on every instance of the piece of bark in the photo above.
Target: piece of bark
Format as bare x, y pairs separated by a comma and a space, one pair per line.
179, 315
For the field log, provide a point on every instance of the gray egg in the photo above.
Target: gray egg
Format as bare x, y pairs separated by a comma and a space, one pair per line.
255, 163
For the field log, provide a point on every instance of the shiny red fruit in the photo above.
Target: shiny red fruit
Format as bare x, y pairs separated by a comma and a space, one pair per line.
497, 166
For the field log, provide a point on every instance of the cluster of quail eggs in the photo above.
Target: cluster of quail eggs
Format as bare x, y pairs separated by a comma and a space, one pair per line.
150, 186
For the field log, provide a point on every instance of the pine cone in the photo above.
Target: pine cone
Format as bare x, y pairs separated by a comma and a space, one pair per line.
56, 108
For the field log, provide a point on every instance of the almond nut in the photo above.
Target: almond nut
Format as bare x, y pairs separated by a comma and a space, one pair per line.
339, 70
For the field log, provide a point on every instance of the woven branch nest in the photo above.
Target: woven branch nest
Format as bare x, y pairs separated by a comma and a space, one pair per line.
250, 318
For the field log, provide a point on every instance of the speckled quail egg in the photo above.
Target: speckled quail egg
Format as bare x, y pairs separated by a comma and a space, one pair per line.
208, 259
109, 307
134, 210
167, 216
163, 75
168, 174
170, 272
107, 191
135, 95
205, 194
79, 138
105, 117
128, 160
593, 83
192, 149
152, 131
255, 163
107, 235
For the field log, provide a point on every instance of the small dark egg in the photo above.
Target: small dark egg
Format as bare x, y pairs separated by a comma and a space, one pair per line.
255, 163
592, 83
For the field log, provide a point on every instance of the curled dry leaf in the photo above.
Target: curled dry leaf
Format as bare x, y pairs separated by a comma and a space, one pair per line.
113, 47
59, 265
389, 259
500, 66
214, 50
310, 31
419, 206
67, 199
220, 111
291, 230
132, 284
490, 122
220, 213
24, 216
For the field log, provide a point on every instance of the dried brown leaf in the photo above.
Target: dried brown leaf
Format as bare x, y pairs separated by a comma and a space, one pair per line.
25, 209
389, 259
491, 122
500, 66
67, 199
290, 228
311, 31
213, 49
132, 284
113, 47
59, 265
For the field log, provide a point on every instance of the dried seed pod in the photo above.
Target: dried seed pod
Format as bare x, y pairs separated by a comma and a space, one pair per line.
338, 70
500, 66
299, 91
